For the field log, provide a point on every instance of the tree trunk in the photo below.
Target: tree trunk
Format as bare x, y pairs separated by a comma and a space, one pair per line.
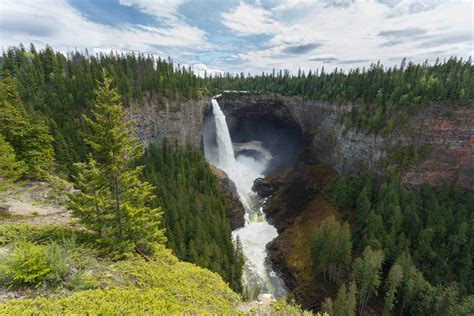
117, 208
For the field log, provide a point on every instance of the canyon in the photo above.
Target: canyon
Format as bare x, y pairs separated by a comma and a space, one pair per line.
447, 131
313, 146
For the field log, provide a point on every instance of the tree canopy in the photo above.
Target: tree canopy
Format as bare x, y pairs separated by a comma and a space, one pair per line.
113, 200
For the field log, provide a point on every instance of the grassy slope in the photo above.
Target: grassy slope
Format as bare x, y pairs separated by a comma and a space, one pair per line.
95, 282
133, 285
138, 286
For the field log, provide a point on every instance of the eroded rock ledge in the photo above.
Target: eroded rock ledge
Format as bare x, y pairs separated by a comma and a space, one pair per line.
227, 188
446, 131
443, 132
180, 122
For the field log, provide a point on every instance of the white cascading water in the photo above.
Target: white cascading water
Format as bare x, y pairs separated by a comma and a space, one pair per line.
226, 159
257, 233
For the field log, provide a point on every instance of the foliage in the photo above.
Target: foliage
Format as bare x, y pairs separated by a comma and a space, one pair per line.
394, 279
10, 168
376, 93
344, 304
432, 227
418, 296
331, 248
31, 264
159, 285
61, 88
86, 262
366, 273
195, 214
28, 134
282, 307
402, 156
42, 234
112, 200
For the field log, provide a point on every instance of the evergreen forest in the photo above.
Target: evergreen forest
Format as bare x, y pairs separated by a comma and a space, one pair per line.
63, 117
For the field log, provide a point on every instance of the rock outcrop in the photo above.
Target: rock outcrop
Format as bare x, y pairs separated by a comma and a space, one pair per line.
444, 133
265, 187
180, 122
229, 191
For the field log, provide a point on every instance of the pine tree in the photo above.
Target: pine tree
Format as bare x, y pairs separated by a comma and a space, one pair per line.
331, 248
345, 302
90, 202
10, 168
28, 135
363, 208
123, 199
367, 275
394, 279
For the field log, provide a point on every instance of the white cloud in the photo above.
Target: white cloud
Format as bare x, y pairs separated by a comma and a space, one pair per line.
246, 19
351, 36
200, 70
161, 9
65, 27
303, 33
293, 4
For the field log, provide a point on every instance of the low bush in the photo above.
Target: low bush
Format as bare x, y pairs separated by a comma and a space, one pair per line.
42, 234
31, 264
157, 285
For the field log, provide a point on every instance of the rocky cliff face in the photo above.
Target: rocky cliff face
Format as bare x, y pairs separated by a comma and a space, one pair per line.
442, 138
228, 189
179, 122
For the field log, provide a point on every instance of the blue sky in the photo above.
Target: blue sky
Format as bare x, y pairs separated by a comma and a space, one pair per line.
248, 36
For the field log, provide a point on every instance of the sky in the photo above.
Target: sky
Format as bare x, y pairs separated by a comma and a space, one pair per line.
250, 36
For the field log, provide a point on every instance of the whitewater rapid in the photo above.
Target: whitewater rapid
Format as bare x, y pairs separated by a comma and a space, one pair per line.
258, 276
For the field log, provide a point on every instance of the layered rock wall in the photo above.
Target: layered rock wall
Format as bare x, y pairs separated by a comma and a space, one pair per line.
178, 121
445, 135
181, 123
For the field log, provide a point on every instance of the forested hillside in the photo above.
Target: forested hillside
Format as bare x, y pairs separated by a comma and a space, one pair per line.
424, 238
381, 91
63, 119
196, 214
57, 89
57, 117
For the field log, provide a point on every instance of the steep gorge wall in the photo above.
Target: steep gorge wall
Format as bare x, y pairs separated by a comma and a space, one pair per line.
445, 134
180, 122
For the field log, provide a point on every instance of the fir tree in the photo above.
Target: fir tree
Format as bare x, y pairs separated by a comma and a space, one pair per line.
10, 168
394, 279
27, 134
367, 275
90, 202
331, 248
119, 208
345, 302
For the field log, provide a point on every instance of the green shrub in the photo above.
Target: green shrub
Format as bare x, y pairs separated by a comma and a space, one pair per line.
42, 234
282, 307
31, 264
160, 285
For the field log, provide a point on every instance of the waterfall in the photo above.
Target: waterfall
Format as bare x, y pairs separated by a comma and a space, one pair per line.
226, 159
257, 232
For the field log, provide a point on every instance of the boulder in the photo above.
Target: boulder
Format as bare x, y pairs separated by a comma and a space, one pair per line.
265, 187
